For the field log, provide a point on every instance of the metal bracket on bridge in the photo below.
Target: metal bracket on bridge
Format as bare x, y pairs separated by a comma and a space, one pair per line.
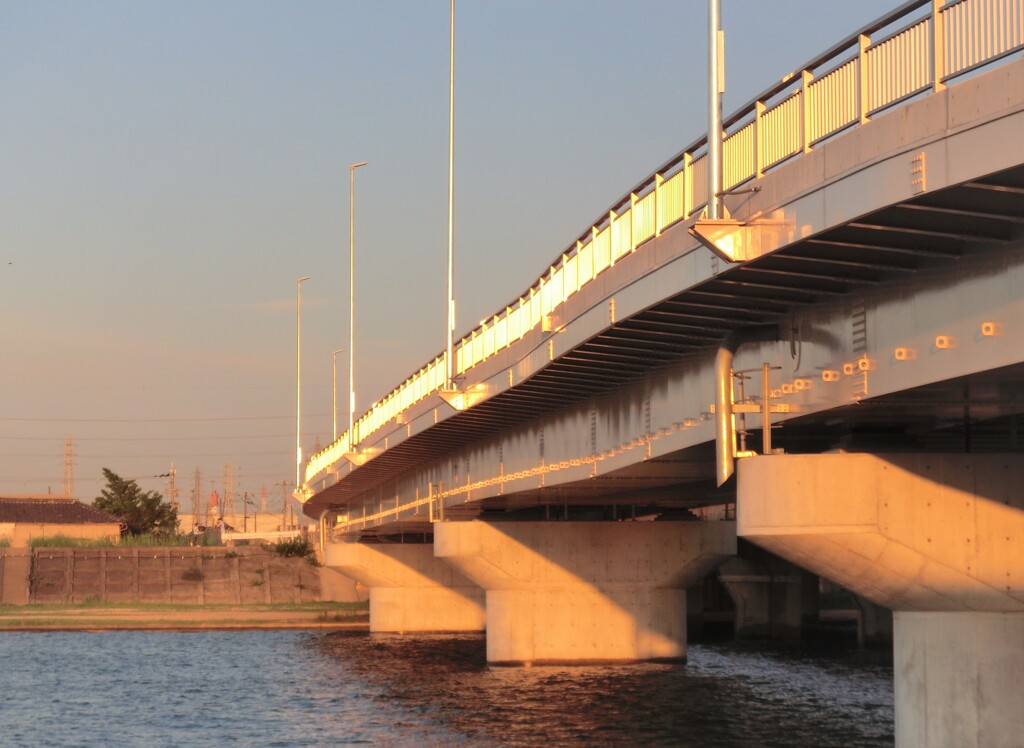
360, 458
740, 241
464, 399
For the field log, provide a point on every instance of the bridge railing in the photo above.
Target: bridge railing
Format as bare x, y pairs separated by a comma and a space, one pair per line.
923, 44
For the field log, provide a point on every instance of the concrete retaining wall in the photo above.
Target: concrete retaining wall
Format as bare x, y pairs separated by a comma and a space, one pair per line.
14, 571
170, 575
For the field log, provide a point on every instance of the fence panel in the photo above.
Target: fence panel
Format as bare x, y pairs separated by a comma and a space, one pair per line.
782, 129
833, 101
900, 66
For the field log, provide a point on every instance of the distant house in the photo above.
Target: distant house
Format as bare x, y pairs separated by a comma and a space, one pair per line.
24, 517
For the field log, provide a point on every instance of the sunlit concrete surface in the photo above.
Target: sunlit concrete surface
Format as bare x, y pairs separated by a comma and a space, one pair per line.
910, 532
410, 590
585, 591
959, 679
937, 538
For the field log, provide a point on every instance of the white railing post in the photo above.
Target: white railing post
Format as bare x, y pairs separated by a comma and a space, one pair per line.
759, 109
611, 237
658, 179
864, 42
687, 186
805, 109
632, 221
938, 46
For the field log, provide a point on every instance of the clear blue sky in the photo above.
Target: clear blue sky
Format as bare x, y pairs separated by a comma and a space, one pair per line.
167, 170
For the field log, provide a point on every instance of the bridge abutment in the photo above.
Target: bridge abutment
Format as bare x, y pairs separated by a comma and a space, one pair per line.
410, 590
585, 591
937, 538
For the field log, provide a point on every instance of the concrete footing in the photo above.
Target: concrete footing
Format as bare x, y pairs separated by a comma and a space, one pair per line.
959, 679
410, 590
585, 591
937, 538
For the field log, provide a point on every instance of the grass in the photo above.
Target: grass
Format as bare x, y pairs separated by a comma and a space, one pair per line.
92, 614
126, 541
310, 607
5, 542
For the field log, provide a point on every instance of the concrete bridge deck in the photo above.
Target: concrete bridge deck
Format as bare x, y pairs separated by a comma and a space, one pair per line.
850, 340
618, 391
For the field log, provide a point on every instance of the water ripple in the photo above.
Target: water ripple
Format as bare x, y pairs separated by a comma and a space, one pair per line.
289, 689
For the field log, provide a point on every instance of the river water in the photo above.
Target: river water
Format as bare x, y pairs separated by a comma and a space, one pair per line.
299, 688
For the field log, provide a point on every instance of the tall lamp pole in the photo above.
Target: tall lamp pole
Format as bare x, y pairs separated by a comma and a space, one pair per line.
716, 85
334, 388
450, 333
298, 381
352, 301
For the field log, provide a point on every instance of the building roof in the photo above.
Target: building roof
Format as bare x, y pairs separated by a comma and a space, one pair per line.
55, 510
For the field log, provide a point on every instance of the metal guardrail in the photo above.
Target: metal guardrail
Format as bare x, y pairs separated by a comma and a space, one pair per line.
925, 44
273, 535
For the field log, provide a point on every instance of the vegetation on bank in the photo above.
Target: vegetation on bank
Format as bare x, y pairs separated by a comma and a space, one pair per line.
352, 608
92, 614
125, 541
295, 548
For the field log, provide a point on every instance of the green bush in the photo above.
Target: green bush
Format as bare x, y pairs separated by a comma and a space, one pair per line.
153, 540
295, 548
5, 542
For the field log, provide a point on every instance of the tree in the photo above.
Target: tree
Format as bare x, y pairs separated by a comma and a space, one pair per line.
140, 511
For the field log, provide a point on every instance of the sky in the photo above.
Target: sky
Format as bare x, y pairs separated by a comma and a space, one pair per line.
169, 169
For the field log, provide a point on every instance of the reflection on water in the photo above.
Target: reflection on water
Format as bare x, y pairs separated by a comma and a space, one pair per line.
287, 688
724, 696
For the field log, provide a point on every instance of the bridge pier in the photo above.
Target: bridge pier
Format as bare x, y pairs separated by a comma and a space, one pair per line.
773, 598
937, 538
574, 592
410, 590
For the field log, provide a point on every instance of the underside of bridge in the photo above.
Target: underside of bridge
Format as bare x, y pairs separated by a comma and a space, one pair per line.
983, 218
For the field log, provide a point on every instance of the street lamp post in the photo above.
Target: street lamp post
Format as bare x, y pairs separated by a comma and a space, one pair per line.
716, 52
352, 301
298, 382
334, 389
450, 332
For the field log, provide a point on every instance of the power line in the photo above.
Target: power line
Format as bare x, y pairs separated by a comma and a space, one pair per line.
136, 454
149, 438
158, 420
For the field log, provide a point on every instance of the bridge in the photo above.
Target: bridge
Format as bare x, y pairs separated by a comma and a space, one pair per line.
832, 369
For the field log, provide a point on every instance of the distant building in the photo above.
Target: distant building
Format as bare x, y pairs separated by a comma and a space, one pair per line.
24, 517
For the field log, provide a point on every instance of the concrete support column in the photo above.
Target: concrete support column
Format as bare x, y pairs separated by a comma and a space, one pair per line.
574, 592
959, 678
937, 538
874, 624
773, 598
410, 590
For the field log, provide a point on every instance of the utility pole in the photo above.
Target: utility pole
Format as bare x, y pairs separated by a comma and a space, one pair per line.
69, 468
284, 505
228, 500
172, 489
197, 496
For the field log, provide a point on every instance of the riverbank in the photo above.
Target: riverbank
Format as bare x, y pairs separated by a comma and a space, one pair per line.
129, 616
